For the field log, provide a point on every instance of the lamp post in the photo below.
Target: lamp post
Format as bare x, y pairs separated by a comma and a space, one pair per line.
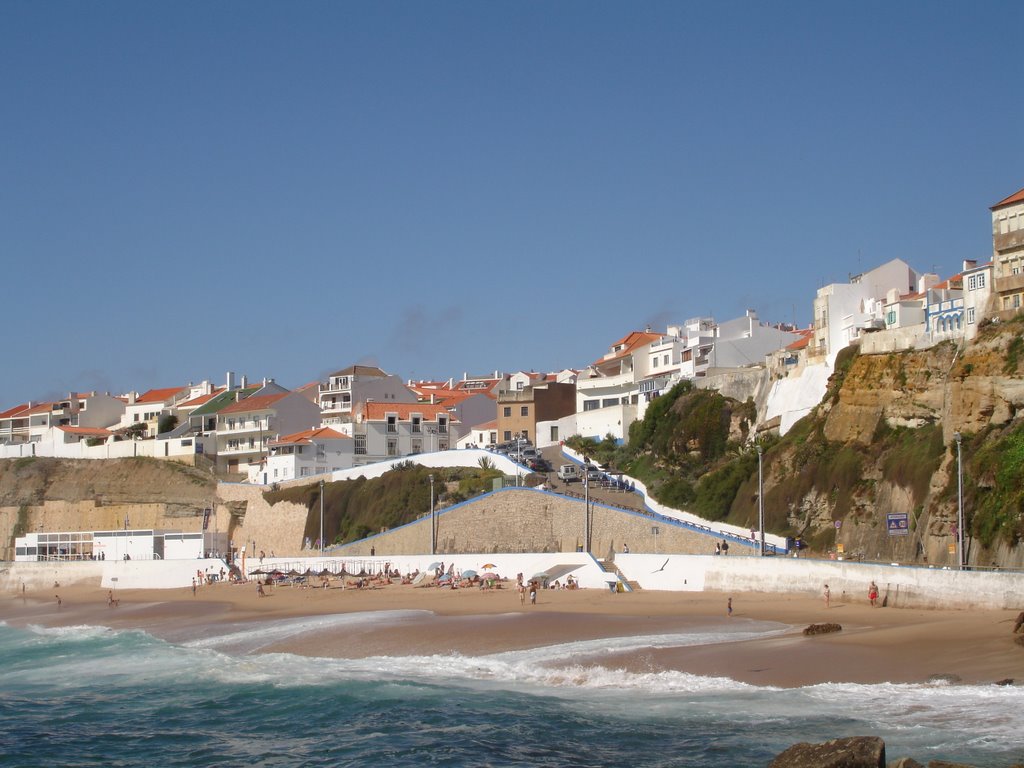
760, 497
959, 503
321, 521
586, 511
433, 524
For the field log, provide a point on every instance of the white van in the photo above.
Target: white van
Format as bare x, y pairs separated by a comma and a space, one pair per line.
568, 472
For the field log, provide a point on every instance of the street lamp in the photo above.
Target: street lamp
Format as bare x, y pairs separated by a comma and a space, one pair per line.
586, 511
433, 524
321, 520
959, 502
760, 496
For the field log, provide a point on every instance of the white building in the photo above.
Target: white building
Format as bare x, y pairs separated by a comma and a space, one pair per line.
304, 454
359, 384
127, 544
390, 430
33, 422
244, 427
977, 291
842, 311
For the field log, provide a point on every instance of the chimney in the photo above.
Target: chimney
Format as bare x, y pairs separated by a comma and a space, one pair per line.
230, 381
245, 382
970, 264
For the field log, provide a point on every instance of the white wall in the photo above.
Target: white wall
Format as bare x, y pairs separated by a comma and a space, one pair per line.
905, 587
793, 397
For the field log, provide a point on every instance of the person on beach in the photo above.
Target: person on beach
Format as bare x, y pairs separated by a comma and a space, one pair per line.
625, 549
193, 586
729, 606
111, 602
259, 589
873, 594
522, 593
533, 593
718, 548
725, 547
827, 594
59, 601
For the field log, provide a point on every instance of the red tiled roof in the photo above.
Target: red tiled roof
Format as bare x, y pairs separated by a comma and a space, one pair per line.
255, 403
404, 411
41, 408
12, 412
159, 395
629, 342
307, 436
487, 425
1016, 197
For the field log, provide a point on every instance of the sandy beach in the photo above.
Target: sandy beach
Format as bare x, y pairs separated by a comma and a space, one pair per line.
875, 645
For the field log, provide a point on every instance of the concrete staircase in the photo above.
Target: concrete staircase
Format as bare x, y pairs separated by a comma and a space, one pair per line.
608, 566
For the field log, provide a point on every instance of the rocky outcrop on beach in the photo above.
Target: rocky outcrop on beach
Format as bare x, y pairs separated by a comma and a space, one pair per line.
822, 629
852, 752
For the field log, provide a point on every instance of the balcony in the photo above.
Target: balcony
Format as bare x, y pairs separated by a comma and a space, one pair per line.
1009, 283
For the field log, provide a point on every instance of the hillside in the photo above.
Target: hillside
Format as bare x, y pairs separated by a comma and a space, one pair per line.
881, 442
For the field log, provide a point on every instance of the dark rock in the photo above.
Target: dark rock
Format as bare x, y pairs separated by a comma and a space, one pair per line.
1005, 681
946, 678
821, 629
905, 762
854, 752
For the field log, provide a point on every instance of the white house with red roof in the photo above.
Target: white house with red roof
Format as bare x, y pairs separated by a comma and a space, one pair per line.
144, 411
245, 427
390, 430
346, 388
304, 454
33, 422
480, 436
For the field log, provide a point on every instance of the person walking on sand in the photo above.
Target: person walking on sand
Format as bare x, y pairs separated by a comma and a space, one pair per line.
522, 593
827, 594
873, 594
59, 601
729, 606
193, 586
533, 593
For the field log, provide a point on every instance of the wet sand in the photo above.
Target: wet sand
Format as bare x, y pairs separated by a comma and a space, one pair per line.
876, 645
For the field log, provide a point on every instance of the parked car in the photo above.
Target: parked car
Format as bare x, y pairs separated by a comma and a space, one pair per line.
568, 472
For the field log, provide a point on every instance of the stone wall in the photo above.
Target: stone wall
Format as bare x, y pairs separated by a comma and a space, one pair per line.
530, 520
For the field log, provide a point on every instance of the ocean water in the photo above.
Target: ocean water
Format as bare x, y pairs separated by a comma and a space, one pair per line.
90, 696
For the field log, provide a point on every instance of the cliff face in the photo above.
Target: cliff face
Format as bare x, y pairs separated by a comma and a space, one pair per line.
59, 495
883, 441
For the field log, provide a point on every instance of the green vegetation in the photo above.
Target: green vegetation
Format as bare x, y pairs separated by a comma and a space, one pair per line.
166, 423
354, 509
993, 476
1013, 353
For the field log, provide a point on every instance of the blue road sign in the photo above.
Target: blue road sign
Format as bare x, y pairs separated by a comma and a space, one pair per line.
898, 523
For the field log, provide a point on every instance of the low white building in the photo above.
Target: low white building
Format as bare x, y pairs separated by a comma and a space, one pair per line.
127, 544
304, 454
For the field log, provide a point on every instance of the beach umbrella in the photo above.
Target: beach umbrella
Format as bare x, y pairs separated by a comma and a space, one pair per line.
488, 575
541, 576
487, 566
293, 572
469, 574
433, 566
259, 571
325, 572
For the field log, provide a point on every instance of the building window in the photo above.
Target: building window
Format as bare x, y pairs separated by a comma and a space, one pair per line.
508, 435
417, 446
1016, 301
524, 410
507, 411
970, 315
360, 446
417, 424
591, 405
392, 424
392, 447
442, 425
890, 317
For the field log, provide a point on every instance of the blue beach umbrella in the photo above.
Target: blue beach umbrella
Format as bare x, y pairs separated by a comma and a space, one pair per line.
468, 574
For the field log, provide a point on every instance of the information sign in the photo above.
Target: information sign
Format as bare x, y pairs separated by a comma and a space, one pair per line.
898, 523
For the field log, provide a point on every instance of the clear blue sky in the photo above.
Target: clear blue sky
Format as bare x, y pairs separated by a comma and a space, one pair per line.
285, 189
